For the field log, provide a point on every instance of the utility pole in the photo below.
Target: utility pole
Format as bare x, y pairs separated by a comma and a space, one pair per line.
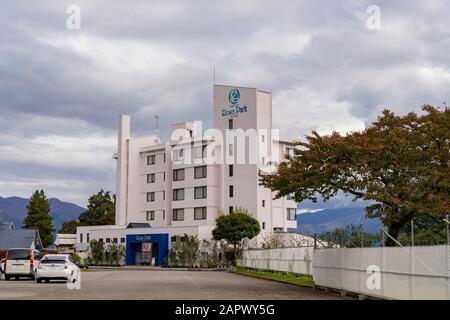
447, 222
362, 235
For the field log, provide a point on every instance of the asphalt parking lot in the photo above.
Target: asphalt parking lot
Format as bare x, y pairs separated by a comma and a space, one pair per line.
160, 284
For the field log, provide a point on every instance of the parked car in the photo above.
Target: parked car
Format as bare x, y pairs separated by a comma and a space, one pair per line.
57, 267
20, 262
2, 266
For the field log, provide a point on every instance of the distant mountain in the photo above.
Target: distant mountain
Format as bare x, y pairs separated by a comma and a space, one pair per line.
329, 219
14, 209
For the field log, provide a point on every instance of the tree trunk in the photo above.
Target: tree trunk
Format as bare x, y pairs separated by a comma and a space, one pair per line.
393, 231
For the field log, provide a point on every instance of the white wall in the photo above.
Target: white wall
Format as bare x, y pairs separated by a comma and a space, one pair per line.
296, 260
404, 272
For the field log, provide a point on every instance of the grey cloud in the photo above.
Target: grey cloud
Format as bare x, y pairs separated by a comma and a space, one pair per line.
146, 57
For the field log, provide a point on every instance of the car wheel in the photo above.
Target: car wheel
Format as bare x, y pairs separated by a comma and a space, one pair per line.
7, 278
39, 280
47, 280
33, 276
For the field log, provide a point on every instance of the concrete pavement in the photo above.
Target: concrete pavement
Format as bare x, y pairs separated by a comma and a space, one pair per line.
160, 284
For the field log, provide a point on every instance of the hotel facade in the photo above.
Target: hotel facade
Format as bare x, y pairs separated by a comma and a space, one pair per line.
170, 188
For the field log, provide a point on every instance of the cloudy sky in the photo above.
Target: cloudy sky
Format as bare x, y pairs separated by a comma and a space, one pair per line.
61, 89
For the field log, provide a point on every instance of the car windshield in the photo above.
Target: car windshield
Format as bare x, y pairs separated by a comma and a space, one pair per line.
18, 254
53, 259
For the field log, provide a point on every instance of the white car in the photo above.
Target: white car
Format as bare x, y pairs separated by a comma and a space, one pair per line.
57, 267
2, 266
21, 262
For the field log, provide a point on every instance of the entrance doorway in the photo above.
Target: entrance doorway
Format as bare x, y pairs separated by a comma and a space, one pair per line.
148, 249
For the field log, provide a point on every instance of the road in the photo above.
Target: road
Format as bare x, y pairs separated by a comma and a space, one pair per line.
160, 284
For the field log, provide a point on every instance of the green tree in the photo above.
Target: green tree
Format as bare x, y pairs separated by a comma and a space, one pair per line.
428, 230
69, 226
39, 217
97, 251
399, 163
100, 211
235, 226
185, 251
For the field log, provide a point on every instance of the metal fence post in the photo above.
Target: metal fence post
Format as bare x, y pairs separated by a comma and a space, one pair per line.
448, 231
448, 256
315, 240
362, 236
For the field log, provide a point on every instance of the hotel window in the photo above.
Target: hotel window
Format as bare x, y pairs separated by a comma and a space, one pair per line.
230, 170
230, 209
108, 240
122, 240
178, 214
263, 138
151, 159
200, 172
150, 196
115, 240
178, 194
87, 237
263, 203
164, 157
164, 195
290, 151
151, 215
291, 213
81, 237
164, 214
263, 225
178, 154
164, 176
199, 152
199, 192
231, 191
263, 160
230, 124
200, 213
151, 178
178, 174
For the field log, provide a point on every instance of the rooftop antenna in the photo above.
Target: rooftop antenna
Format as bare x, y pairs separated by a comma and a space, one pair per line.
157, 125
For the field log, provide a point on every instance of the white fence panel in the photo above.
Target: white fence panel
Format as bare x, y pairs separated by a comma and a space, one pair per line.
387, 272
296, 260
404, 272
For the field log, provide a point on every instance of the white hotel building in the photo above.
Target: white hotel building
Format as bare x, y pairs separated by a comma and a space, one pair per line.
177, 187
